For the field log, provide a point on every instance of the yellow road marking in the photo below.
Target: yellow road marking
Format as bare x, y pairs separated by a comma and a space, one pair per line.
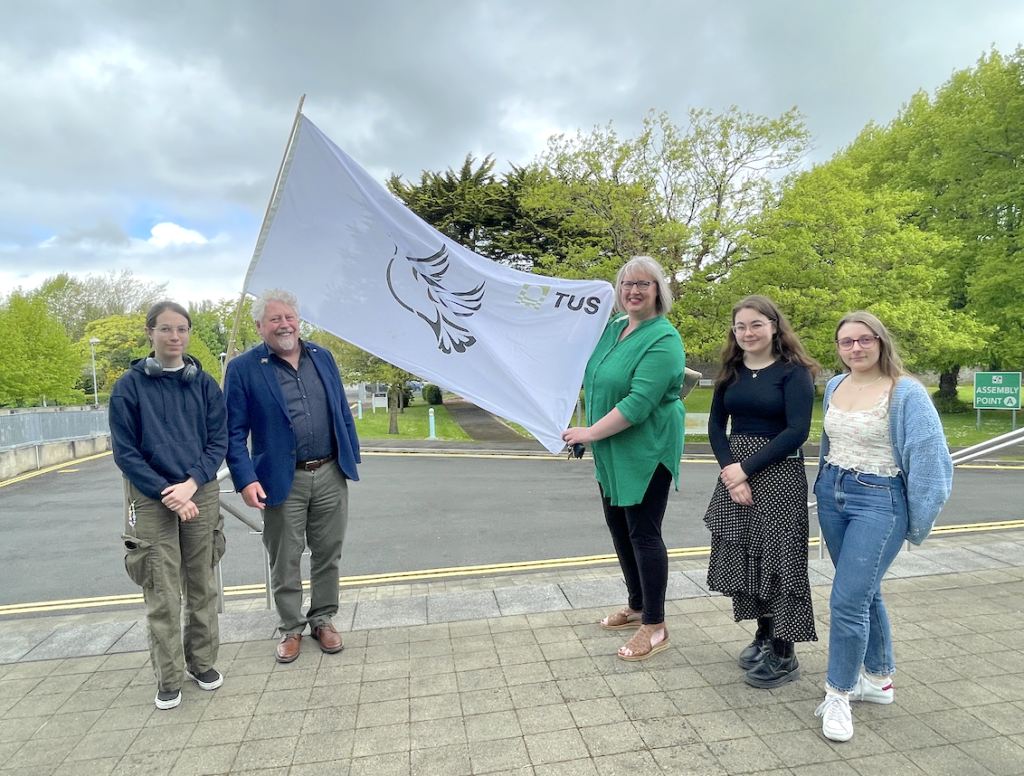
370, 580
48, 469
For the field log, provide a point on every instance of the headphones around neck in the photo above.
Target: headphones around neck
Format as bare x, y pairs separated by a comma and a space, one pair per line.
154, 368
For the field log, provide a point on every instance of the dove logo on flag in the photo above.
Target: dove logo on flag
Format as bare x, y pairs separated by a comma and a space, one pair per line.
425, 296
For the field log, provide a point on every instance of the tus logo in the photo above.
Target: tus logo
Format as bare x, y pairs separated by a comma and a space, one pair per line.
589, 304
533, 296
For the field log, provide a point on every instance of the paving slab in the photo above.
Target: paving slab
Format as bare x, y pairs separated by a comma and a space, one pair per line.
135, 639
699, 577
915, 564
681, 586
390, 613
1009, 553
470, 605
965, 559
80, 640
14, 645
592, 593
529, 599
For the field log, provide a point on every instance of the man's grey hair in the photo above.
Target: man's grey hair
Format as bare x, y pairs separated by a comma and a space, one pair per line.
259, 307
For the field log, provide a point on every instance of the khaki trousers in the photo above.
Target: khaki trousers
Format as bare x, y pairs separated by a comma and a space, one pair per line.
177, 564
314, 514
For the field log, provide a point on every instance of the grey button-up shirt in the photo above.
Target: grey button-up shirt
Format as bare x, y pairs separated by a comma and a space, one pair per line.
306, 398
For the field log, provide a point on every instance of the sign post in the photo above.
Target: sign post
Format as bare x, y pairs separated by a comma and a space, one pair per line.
997, 391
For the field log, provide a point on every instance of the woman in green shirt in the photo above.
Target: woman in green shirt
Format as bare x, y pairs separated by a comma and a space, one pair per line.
635, 430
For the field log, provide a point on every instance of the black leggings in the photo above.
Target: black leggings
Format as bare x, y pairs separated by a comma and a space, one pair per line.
636, 534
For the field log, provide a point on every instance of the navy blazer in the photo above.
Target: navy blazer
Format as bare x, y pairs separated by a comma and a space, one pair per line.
256, 404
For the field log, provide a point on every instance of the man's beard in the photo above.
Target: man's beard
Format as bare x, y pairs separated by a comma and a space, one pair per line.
286, 342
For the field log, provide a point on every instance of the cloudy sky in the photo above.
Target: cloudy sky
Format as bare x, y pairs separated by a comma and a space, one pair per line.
146, 135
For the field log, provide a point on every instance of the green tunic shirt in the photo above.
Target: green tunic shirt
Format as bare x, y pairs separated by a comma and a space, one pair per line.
641, 375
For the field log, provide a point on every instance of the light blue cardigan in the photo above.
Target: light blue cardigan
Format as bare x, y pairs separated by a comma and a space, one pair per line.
919, 447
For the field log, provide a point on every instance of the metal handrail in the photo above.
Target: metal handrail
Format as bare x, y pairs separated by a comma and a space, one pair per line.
1008, 439
254, 529
960, 457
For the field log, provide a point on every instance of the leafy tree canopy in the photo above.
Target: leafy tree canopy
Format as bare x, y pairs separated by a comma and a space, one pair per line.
37, 359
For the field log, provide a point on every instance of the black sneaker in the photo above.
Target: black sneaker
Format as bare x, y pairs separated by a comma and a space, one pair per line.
168, 699
773, 671
754, 653
210, 679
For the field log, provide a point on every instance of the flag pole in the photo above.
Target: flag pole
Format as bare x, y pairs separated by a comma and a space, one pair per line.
270, 204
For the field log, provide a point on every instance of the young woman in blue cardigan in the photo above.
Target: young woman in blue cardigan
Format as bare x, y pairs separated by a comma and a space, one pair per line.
884, 475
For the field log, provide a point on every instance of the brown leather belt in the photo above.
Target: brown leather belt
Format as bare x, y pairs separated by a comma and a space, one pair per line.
313, 465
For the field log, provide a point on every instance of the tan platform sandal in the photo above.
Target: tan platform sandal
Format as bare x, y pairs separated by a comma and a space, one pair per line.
642, 645
622, 619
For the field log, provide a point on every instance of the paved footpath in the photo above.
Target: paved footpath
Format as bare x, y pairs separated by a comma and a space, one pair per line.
512, 675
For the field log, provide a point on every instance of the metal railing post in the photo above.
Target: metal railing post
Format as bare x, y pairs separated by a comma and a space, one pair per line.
219, 577
255, 530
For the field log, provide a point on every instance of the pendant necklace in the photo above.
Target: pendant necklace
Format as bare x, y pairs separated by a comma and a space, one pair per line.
754, 372
862, 387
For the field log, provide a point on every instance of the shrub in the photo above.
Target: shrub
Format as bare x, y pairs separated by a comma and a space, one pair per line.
950, 405
431, 394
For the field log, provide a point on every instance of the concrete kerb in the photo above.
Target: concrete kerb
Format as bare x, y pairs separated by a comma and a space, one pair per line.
533, 593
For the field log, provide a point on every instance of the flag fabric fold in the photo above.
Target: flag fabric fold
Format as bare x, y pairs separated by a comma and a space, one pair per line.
370, 271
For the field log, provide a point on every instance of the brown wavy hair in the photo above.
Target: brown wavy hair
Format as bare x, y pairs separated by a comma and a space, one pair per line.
786, 345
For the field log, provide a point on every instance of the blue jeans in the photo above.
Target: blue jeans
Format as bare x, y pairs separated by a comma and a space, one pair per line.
863, 520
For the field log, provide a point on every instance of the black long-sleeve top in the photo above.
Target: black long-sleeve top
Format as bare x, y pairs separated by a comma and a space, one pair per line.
776, 404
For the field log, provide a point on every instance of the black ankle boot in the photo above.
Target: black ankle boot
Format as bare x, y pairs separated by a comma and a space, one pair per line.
778, 667
754, 653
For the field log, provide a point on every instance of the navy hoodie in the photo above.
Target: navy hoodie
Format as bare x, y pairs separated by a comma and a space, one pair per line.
164, 430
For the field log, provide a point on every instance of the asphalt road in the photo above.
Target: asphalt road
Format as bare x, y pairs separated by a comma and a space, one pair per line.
61, 530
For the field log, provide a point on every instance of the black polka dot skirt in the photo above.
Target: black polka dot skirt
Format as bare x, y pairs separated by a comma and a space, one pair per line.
759, 553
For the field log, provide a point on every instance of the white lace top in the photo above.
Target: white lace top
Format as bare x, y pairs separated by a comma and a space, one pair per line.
859, 440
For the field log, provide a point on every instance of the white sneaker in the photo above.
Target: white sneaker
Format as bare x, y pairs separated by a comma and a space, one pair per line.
865, 690
837, 721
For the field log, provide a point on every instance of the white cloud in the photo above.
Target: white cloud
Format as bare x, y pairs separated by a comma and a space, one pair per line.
171, 234
121, 109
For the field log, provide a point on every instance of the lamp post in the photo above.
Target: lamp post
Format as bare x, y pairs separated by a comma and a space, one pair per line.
95, 391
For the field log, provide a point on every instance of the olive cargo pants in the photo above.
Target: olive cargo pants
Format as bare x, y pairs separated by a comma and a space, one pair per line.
173, 560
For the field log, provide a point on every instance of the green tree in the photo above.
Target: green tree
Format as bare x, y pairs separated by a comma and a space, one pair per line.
37, 359
685, 196
122, 338
963, 150
833, 245
77, 301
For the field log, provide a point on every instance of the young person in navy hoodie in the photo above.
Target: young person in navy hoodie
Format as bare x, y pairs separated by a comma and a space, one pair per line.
168, 428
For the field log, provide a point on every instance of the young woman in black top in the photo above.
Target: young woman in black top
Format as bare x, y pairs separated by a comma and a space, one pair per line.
758, 512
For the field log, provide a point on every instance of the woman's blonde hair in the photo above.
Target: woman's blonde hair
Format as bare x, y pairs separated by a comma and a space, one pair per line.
647, 266
889, 360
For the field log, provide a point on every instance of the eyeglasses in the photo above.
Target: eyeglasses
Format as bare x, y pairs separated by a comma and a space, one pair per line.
865, 342
643, 285
166, 331
755, 328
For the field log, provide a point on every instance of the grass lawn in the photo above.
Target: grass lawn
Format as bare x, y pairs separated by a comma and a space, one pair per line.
961, 429
412, 424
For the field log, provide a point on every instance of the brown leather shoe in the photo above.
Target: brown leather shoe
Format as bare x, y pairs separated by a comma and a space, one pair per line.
288, 649
330, 639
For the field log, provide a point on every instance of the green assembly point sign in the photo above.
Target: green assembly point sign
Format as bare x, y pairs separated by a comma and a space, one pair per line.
997, 390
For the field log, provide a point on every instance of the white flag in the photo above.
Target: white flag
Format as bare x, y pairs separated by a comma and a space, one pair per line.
370, 271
